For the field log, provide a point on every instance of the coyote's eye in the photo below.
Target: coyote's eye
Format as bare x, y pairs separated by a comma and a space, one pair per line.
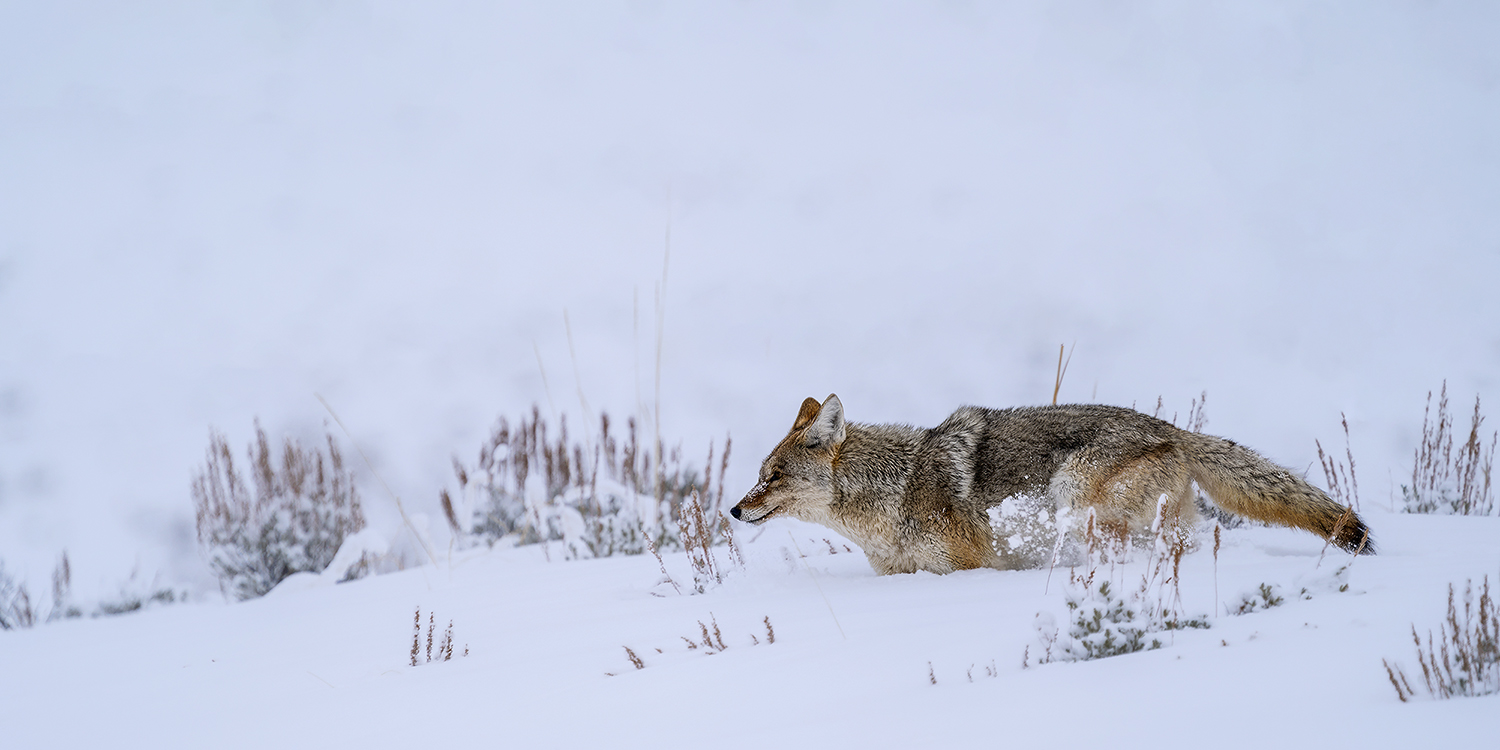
775, 475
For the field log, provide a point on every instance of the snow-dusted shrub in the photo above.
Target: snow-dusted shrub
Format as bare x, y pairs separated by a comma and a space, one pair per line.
598, 497
1449, 481
17, 610
1464, 658
136, 594
1263, 597
134, 601
1268, 595
293, 520
1102, 621
1100, 624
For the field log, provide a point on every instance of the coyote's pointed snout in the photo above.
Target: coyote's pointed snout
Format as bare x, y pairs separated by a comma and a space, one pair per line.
754, 508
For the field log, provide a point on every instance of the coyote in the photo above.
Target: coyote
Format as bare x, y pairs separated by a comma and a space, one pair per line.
915, 499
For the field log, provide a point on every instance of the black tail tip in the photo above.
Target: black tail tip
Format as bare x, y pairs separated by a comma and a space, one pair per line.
1356, 540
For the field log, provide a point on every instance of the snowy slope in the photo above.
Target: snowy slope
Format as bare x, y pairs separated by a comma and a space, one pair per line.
327, 666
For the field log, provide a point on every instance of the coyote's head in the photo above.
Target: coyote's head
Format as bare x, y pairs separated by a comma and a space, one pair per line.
797, 478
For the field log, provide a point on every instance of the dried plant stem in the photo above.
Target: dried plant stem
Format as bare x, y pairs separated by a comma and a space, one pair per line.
445, 645
1062, 371
634, 660
401, 509
817, 586
416, 635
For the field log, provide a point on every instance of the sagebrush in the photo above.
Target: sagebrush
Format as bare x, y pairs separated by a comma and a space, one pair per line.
293, 519
1464, 658
1451, 479
601, 496
1103, 621
19, 610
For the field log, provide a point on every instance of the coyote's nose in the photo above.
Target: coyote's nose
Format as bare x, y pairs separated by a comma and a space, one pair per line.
735, 511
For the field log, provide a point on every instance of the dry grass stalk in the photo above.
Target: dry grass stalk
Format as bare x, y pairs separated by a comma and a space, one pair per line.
1398, 681
444, 644
16, 610
634, 660
1343, 488
1062, 371
416, 635
726, 532
1170, 545
431, 625
1343, 484
717, 636
1449, 481
696, 531
710, 640
62, 590
446, 500
990, 670
665, 576
1197, 418
1217, 530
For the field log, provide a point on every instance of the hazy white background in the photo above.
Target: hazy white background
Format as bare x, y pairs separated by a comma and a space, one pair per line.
213, 211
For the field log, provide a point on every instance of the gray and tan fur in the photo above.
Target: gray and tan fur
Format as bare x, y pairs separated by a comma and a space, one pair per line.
916, 499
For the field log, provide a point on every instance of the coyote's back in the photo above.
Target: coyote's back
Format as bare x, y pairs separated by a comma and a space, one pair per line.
1120, 461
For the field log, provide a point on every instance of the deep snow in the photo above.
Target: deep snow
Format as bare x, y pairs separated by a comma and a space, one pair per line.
320, 665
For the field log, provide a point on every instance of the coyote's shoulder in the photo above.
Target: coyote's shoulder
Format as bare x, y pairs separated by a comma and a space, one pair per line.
916, 499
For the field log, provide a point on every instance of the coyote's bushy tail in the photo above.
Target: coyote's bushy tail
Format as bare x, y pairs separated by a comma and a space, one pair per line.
1244, 483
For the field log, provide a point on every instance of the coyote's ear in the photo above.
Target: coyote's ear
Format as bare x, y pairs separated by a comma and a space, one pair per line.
805, 415
827, 429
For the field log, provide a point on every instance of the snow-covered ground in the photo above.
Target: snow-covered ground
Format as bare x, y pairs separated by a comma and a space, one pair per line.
434, 214
328, 666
